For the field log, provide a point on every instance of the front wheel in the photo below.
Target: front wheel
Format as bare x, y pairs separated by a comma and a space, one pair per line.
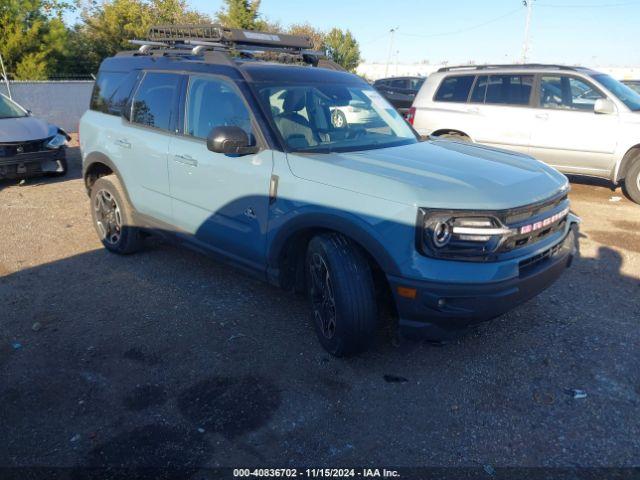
342, 295
632, 181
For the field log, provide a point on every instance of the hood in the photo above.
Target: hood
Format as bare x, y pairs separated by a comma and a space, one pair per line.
25, 129
436, 174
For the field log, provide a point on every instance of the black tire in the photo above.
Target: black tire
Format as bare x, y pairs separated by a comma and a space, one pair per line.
458, 137
350, 283
114, 223
63, 172
632, 181
338, 119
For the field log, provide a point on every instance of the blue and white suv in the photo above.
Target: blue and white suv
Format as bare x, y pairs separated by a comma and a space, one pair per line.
239, 158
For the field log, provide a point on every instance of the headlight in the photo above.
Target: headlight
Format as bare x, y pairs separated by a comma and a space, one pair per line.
58, 141
481, 236
460, 234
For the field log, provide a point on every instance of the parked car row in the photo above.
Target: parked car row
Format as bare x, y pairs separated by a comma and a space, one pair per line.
271, 167
399, 91
577, 120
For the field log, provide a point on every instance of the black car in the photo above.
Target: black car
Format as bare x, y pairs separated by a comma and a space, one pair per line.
399, 91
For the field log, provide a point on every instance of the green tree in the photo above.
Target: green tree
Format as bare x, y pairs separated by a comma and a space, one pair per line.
241, 14
32, 37
108, 26
343, 49
317, 36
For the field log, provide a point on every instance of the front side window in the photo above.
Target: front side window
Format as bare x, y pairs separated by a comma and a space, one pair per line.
154, 102
10, 109
455, 89
331, 117
567, 93
629, 95
509, 89
214, 103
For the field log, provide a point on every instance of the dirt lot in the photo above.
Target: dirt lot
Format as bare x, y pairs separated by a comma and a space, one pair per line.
168, 358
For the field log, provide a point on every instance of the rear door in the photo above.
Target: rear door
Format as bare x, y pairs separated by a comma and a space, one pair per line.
222, 200
144, 142
567, 133
501, 104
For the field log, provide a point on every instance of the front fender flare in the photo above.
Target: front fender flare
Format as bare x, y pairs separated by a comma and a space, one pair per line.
342, 222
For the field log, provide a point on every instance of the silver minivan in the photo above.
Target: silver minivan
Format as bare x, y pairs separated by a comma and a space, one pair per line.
575, 119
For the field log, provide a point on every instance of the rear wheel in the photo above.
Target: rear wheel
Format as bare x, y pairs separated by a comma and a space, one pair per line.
632, 181
342, 295
112, 216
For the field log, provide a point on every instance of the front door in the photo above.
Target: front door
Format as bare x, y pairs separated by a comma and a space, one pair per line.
222, 200
567, 133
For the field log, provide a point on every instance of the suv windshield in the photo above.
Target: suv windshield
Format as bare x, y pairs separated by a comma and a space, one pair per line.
9, 109
628, 96
334, 118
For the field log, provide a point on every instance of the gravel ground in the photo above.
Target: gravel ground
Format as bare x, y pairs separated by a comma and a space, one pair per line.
169, 358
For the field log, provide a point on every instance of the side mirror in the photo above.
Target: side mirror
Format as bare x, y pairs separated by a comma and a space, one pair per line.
604, 106
230, 140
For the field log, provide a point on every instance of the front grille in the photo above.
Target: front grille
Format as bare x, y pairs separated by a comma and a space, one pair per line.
12, 149
531, 215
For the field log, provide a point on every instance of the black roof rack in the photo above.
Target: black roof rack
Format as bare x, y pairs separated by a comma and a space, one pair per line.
213, 42
513, 65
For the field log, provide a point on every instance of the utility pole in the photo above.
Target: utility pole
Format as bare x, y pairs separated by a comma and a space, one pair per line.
392, 33
527, 27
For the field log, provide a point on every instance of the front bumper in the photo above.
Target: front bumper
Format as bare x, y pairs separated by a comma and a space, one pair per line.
32, 164
441, 311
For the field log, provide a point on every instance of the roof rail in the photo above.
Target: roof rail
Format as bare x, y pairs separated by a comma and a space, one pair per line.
196, 39
513, 65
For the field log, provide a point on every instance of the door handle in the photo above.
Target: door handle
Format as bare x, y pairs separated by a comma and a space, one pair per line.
186, 160
473, 110
123, 143
542, 116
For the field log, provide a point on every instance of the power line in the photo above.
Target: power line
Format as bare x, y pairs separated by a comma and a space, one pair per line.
588, 5
462, 30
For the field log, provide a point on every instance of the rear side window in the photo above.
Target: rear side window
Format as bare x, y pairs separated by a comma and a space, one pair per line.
105, 86
112, 91
154, 102
455, 89
509, 89
416, 83
399, 83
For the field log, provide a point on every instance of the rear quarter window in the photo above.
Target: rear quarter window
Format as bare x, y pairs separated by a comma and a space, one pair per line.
455, 89
112, 90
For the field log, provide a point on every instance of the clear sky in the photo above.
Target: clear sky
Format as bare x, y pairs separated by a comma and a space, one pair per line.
589, 32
